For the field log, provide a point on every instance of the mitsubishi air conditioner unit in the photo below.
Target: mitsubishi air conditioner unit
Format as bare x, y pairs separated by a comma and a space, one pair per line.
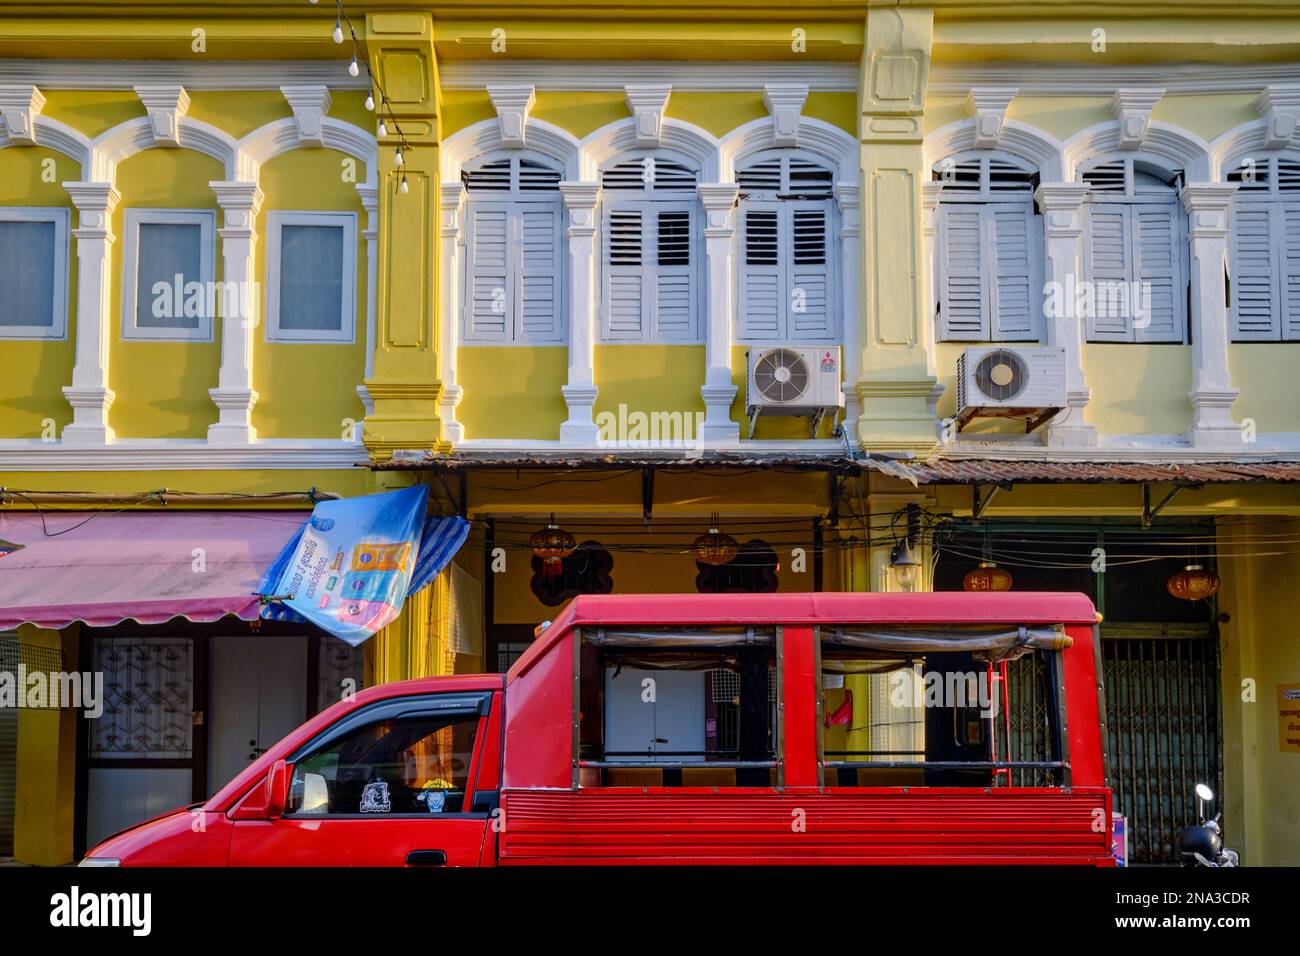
793, 380
998, 381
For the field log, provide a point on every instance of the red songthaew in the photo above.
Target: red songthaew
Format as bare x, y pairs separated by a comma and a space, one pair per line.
734, 729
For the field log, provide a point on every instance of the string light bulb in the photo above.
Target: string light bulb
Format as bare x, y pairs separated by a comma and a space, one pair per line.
383, 130
397, 157
338, 31
353, 69
402, 187
370, 98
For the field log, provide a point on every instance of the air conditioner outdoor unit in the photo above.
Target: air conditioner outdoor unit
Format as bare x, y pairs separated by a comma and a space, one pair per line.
793, 380
998, 381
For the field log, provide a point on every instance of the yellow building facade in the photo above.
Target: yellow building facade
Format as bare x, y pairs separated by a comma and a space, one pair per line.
540, 271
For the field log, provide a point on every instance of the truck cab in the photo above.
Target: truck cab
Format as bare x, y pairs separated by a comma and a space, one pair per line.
730, 729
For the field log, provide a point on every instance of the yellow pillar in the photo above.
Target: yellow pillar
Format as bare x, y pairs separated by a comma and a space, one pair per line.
46, 765
405, 387
897, 382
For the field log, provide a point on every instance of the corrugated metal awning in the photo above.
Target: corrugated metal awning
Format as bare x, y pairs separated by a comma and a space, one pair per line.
945, 471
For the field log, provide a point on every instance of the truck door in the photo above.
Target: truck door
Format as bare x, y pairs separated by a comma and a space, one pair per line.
388, 785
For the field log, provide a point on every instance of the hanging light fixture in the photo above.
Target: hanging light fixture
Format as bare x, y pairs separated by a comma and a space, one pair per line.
987, 577
905, 563
1193, 583
552, 544
715, 546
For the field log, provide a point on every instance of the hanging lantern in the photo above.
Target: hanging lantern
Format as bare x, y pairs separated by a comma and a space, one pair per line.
1193, 583
552, 544
715, 547
987, 577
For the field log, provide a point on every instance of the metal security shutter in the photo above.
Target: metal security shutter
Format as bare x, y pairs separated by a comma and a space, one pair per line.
1163, 721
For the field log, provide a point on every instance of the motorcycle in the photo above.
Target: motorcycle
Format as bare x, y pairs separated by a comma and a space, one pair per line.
1202, 845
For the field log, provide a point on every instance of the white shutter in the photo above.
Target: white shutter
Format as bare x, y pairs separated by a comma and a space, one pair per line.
1255, 301
762, 292
962, 316
540, 313
1158, 273
810, 306
674, 275
1290, 271
487, 307
1017, 303
1108, 259
624, 274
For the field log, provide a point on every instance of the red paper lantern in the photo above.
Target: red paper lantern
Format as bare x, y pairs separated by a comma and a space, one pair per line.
1193, 583
987, 577
552, 544
715, 547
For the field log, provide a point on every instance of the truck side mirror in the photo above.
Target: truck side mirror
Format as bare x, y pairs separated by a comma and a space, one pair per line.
277, 790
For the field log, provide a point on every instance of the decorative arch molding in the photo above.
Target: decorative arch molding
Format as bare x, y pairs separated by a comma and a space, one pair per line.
282, 136
59, 137
124, 140
1230, 148
473, 141
816, 136
1165, 144
620, 136
1028, 143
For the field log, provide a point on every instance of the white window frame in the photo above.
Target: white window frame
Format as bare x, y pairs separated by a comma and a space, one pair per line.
206, 220
514, 202
276, 219
61, 217
785, 209
987, 200
650, 202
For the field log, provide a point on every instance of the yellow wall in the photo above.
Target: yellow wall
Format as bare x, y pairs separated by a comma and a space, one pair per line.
649, 378
35, 371
1260, 644
1138, 389
512, 391
1265, 374
307, 390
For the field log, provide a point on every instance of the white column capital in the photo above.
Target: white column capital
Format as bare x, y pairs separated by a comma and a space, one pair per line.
1279, 106
513, 102
20, 104
718, 200
310, 104
165, 103
785, 103
987, 105
369, 193
1132, 106
647, 103
95, 203
579, 195
848, 199
451, 200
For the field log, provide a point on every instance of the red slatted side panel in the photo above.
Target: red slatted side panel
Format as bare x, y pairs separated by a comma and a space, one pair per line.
923, 826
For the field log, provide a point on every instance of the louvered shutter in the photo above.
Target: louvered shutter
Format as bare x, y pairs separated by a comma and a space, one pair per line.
1290, 270
762, 292
674, 275
809, 295
488, 306
1158, 273
1256, 306
961, 275
540, 313
624, 274
1108, 261
1016, 301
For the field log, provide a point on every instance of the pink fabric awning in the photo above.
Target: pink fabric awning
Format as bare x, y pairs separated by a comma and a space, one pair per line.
143, 566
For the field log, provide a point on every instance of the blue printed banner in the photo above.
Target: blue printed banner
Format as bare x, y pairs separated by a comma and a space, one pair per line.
351, 567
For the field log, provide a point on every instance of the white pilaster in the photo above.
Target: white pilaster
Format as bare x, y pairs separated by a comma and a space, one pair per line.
453, 209
20, 104
580, 391
369, 193
1062, 208
1212, 393
718, 391
234, 395
849, 201
89, 394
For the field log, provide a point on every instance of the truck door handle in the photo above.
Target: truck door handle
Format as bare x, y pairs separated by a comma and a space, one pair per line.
426, 858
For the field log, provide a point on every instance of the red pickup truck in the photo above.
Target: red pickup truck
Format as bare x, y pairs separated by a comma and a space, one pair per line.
732, 729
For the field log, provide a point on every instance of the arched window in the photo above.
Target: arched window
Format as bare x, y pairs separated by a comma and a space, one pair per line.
651, 263
1264, 250
1135, 253
513, 288
787, 287
990, 250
